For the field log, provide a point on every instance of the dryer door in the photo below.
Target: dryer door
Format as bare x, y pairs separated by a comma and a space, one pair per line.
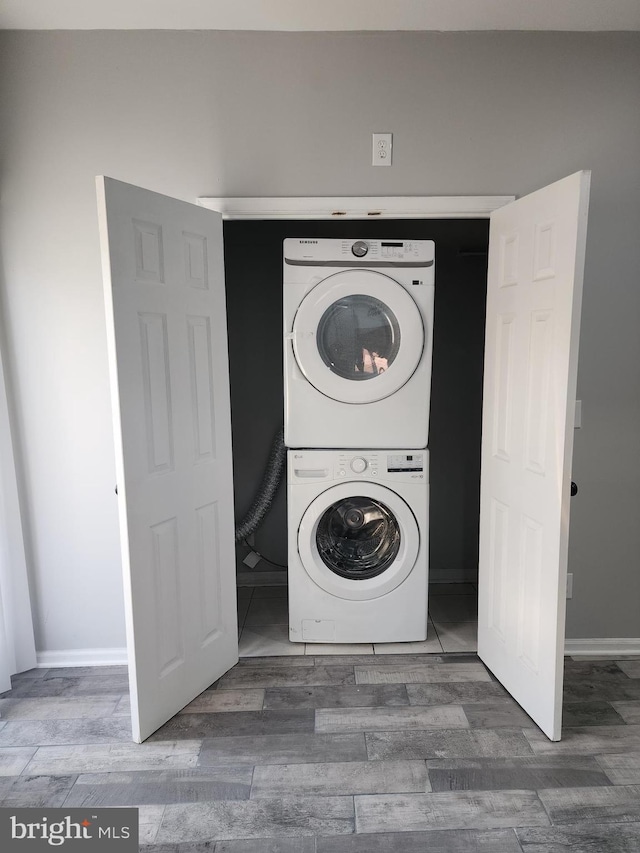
358, 336
358, 540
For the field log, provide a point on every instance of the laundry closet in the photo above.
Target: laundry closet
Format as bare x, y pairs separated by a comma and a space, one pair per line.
165, 263
254, 273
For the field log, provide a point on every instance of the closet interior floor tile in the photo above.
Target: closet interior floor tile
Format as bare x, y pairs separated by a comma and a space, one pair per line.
263, 626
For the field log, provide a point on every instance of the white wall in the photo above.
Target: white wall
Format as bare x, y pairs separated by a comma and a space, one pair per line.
193, 114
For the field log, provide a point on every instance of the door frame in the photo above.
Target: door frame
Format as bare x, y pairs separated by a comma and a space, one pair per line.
357, 207
336, 208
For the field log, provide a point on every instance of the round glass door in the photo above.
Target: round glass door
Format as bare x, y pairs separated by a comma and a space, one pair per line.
358, 538
358, 541
358, 336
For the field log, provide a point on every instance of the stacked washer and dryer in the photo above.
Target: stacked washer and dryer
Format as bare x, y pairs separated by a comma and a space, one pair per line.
358, 335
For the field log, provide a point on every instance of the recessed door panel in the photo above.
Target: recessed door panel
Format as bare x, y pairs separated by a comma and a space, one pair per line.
504, 331
158, 415
202, 387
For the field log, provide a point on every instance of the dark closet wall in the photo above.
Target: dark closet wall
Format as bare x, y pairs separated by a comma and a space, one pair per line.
253, 261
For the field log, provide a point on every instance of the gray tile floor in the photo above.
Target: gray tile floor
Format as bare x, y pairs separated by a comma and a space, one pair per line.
339, 754
263, 625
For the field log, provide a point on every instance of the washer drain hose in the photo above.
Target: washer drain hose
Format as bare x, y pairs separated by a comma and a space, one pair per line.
267, 491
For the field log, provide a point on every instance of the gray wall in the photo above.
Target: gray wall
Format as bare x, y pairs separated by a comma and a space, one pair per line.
194, 114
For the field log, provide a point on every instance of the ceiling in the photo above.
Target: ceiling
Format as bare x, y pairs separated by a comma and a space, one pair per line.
320, 15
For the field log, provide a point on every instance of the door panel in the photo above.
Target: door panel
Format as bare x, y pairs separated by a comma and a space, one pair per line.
166, 323
5, 665
344, 586
354, 326
536, 262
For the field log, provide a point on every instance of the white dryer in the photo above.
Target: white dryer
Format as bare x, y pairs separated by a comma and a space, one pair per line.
358, 545
358, 335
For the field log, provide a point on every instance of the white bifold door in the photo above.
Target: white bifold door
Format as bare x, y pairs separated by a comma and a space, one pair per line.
534, 290
5, 667
165, 305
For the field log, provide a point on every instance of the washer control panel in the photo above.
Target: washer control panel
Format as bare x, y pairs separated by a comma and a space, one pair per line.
392, 466
409, 462
380, 465
364, 464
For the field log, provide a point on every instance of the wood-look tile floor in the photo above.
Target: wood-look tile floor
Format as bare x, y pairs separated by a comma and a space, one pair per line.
339, 754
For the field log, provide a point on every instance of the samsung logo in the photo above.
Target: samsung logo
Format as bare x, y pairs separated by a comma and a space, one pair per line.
313, 242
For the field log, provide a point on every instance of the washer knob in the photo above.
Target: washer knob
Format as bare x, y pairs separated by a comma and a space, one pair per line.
360, 248
358, 465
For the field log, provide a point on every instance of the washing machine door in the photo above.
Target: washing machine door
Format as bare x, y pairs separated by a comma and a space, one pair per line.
358, 540
358, 336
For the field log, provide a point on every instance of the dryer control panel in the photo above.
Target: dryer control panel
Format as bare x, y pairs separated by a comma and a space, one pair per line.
358, 253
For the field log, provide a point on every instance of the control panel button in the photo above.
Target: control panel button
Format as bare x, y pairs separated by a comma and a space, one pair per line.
360, 248
358, 465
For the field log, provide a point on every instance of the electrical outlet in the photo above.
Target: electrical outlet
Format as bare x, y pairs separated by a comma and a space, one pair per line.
569, 584
382, 147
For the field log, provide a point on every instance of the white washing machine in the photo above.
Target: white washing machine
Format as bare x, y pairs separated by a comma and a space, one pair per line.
358, 335
358, 545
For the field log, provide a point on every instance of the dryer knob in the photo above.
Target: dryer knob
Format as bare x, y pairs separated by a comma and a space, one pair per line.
360, 248
358, 465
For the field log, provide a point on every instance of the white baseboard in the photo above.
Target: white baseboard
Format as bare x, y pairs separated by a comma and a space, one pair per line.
609, 646
589, 646
82, 657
